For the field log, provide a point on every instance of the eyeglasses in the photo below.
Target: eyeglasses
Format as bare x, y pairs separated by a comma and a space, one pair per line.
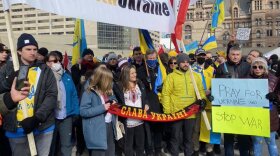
54, 61
260, 67
173, 63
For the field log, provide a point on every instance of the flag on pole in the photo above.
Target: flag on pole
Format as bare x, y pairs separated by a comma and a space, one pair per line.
206, 135
65, 60
218, 14
181, 18
79, 40
210, 43
146, 43
192, 47
160, 50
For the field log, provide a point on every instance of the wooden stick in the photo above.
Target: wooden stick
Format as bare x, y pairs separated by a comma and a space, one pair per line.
203, 32
30, 136
206, 120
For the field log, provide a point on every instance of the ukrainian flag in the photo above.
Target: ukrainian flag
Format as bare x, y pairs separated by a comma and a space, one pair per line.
79, 40
218, 14
210, 43
206, 135
192, 47
146, 43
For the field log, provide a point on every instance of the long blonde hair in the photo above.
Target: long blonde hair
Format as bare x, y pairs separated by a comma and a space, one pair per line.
101, 80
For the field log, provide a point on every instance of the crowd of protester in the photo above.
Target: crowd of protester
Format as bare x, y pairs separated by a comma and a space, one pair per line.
68, 107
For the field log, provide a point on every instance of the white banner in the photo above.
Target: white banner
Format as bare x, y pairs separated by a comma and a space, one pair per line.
154, 15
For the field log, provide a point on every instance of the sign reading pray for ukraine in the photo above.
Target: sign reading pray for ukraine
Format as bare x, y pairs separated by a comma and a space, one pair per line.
240, 92
144, 14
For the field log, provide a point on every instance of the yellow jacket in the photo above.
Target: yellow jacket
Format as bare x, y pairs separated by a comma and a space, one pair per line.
178, 91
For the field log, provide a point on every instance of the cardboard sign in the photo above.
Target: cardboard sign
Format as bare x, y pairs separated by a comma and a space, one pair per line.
240, 92
241, 120
243, 34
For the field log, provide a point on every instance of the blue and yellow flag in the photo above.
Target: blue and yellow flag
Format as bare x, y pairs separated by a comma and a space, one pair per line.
146, 43
79, 40
218, 14
192, 47
206, 135
210, 43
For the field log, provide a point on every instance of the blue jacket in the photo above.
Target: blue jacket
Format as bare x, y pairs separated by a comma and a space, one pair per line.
93, 116
72, 101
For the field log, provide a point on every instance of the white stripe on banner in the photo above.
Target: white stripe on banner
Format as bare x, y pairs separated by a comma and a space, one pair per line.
154, 15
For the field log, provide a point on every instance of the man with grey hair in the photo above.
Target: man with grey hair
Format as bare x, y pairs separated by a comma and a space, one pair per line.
235, 68
253, 55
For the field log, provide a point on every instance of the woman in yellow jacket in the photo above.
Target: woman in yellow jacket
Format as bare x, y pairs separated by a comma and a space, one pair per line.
178, 93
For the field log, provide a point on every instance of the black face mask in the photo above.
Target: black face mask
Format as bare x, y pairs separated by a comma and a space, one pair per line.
209, 61
200, 60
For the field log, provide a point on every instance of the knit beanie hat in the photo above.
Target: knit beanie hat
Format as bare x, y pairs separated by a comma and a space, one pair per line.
182, 57
26, 40
43, 51
122, 62
260, 59
112, 56
87, 52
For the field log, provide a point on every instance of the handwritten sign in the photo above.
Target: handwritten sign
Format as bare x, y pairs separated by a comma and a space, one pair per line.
240, 92
241, 120
243, 34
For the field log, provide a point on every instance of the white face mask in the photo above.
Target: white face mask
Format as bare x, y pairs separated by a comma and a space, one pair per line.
56, 67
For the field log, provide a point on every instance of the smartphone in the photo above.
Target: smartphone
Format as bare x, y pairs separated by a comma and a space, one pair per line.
22, 76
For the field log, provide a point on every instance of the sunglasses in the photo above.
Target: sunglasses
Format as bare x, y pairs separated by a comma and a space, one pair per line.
260, 67
54, 61
173, 63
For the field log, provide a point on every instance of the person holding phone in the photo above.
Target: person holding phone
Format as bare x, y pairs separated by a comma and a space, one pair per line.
39, 92
98, 124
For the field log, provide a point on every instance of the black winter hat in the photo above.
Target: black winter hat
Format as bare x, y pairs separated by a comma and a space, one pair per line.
182, 57
43, 51
87, 51
25, 40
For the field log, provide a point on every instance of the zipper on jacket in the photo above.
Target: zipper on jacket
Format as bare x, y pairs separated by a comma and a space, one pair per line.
186, 84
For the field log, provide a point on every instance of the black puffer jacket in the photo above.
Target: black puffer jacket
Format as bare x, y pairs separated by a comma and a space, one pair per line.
45, 98
231, 70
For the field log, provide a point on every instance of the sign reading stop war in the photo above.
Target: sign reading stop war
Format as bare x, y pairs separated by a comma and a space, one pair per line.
241, 120
240, 92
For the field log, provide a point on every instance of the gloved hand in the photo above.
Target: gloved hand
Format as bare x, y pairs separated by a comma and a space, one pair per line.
202, 104
210, 97
272, 96
29, 124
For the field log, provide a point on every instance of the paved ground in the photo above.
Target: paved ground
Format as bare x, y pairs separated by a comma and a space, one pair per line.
236, 152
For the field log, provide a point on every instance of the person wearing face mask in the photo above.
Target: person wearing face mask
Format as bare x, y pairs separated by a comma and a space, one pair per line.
178, 92
67, 105
154, 130
206, 73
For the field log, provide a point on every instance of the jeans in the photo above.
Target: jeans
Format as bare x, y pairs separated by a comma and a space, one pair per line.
63, 135
20, 146
188, 127
272, 147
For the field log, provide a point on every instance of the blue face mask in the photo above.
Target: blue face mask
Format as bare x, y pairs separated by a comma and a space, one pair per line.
152, 63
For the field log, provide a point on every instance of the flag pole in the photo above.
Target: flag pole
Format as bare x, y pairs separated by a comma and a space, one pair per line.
203, 32
30, 136
232, 17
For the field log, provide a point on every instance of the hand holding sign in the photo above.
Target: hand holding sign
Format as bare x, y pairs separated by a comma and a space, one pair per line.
243, 34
